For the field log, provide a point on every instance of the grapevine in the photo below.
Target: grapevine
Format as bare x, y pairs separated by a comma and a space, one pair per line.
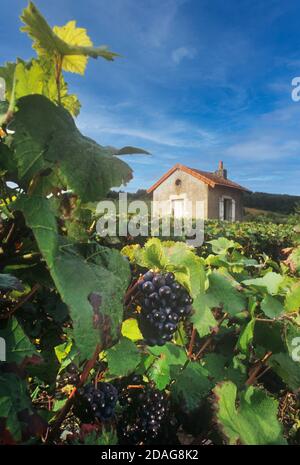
135, 341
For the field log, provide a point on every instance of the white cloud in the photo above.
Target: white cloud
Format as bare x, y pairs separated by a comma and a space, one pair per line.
183, 52
154, 128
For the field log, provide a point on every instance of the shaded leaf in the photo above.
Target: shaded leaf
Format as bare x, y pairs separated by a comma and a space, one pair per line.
254, 422
191, 386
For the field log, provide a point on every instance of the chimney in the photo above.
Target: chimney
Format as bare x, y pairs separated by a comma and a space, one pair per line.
221, 171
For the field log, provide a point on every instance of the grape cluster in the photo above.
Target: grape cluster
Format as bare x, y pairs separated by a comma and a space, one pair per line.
164, 303
144, 416
93, 403
69, 376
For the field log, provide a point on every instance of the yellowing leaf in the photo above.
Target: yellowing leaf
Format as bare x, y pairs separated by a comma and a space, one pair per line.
67, 43
130, 329
74, 36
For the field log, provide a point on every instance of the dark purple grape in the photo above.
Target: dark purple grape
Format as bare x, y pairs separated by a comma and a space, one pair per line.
158, 281
148, 276
164, 291
148, 287
170, 278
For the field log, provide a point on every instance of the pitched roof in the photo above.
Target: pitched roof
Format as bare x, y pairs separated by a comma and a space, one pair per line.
207, 177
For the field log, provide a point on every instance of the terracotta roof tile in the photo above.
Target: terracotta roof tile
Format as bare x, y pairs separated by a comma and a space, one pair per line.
209, 178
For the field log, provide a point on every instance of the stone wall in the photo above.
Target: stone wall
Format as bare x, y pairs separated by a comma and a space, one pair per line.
187, 188
214, 195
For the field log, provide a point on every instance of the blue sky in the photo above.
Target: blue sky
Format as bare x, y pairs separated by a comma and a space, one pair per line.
198, 81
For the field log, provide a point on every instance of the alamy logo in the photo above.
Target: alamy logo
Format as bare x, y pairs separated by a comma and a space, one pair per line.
2, 350
296, 350
296, 89
159, 218
2, 89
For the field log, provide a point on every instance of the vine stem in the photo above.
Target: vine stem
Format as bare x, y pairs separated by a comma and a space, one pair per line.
69, 403
58, 69
254, 373
192, 341
131, 290
21, 302
208, 341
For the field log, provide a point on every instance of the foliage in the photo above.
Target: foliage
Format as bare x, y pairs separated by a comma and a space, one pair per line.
68, 299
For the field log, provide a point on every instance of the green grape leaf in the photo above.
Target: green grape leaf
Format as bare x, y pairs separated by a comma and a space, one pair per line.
69, 42
221, 369
292, 299
91, 436
286, 368
128, 150
221, 245
152, 255
168, 358
270, 282
123, 358
202, 318
13, 400
47, 138
191, 387
37, 77
186, 265
271, 306
246, 337
254, 422
269, 336
90, 279
18, 346
223, 292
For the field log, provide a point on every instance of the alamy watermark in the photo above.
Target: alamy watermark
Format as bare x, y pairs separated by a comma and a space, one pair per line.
296, 351
2, 89
177, 217
296, 89
2, 350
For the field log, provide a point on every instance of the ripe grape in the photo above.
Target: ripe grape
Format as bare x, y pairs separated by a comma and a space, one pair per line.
145, 413
164, 303
93, 403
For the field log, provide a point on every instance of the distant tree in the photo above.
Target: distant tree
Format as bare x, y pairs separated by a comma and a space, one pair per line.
280, 203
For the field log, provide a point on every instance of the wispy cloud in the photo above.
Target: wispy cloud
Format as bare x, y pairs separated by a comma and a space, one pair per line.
155, 128
183, 52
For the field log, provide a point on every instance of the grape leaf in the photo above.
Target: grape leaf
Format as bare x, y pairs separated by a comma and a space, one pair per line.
254, 422
37, 77
220, 368
46, 137
287, 368
70, 43
191, 387
270, 282
271, 306
246, 336
13, 399
18, 346
131, 330
123, 358
292, 299
202, 318
91, 284
221, 245
168, 357
223, 292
